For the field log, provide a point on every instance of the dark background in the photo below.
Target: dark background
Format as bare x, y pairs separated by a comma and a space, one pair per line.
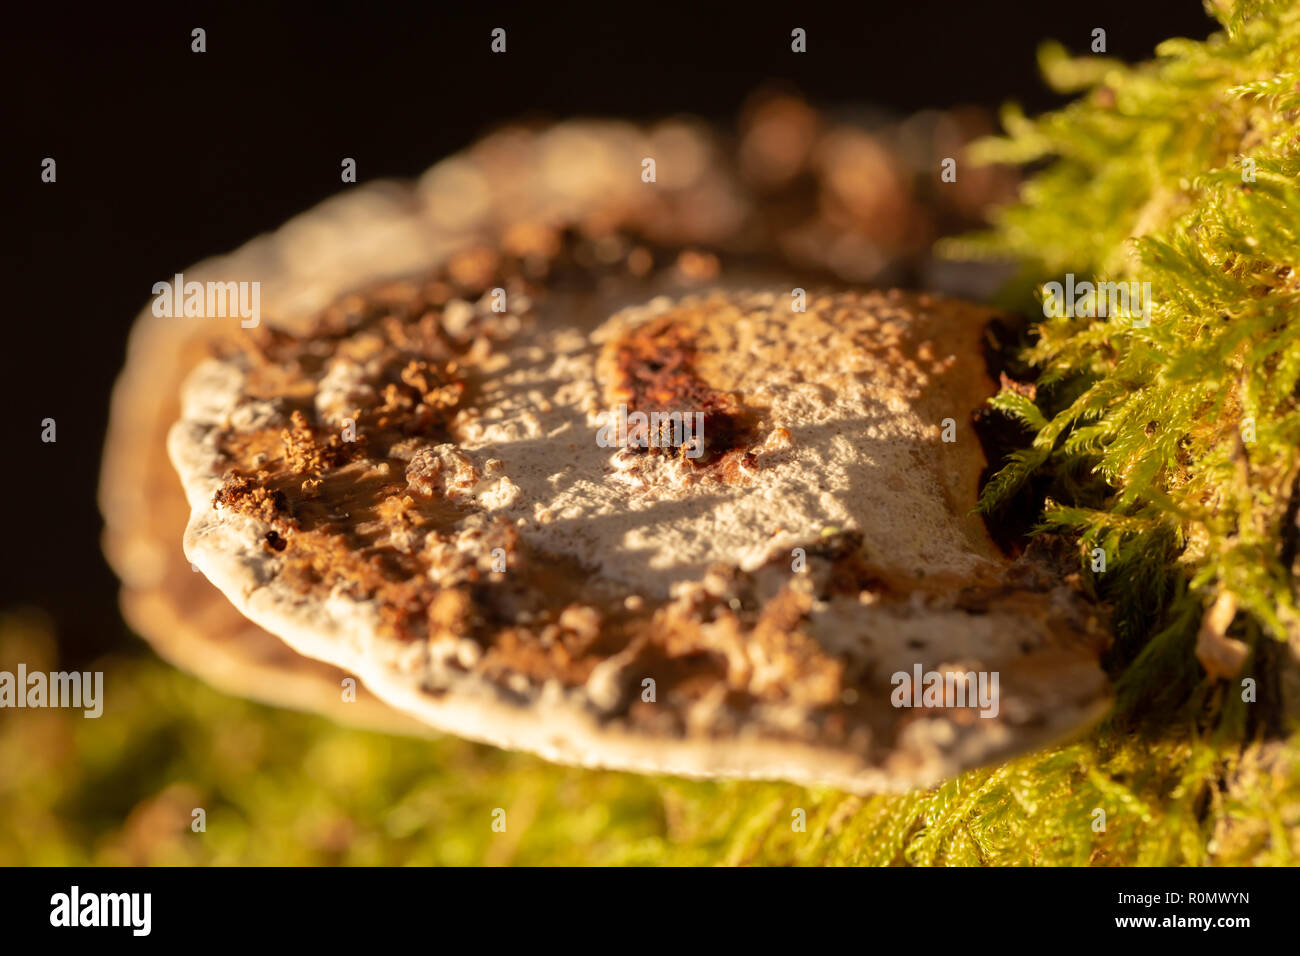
166, 156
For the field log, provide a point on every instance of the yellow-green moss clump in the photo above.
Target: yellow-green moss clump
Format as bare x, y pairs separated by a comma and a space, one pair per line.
285, 788
1165, 437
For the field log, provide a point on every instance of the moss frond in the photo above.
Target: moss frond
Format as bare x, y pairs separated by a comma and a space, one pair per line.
1181, 174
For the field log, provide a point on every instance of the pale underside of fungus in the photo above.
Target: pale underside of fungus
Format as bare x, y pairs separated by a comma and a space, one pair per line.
407, 474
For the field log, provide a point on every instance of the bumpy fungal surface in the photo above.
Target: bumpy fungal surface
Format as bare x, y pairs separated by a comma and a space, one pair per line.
427, 491
781, 197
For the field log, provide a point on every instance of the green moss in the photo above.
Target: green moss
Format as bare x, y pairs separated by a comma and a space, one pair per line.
281, 788
1171, 446
1177, 440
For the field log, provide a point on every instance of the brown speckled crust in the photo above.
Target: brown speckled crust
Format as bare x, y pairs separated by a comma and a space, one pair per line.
384, 516
654, 371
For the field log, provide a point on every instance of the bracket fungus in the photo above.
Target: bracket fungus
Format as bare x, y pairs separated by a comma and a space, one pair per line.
400, 474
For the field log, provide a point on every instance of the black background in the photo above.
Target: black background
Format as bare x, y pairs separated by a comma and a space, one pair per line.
167, 156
